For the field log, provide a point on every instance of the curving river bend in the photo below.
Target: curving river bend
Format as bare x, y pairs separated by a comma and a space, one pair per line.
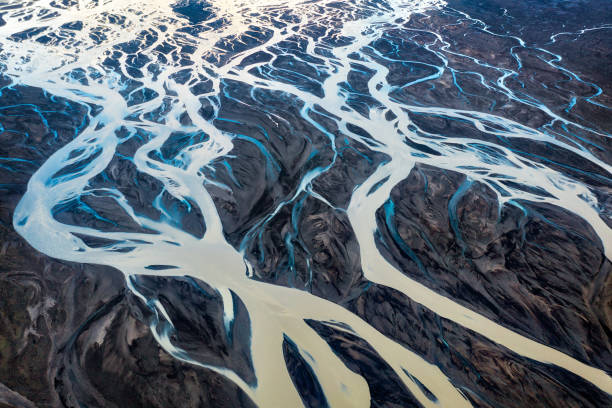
265, 151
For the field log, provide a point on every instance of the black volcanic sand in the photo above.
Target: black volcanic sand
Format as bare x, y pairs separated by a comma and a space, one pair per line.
536, 21
73, 335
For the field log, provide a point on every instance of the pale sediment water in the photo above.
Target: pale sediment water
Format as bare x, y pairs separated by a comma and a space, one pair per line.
267, 151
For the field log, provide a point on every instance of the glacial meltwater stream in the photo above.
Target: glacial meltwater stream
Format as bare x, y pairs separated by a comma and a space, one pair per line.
150, 70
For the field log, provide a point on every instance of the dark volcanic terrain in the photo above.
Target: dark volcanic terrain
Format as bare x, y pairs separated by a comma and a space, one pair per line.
479, 133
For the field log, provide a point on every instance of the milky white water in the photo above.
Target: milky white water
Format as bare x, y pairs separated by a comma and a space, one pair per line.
274, 311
